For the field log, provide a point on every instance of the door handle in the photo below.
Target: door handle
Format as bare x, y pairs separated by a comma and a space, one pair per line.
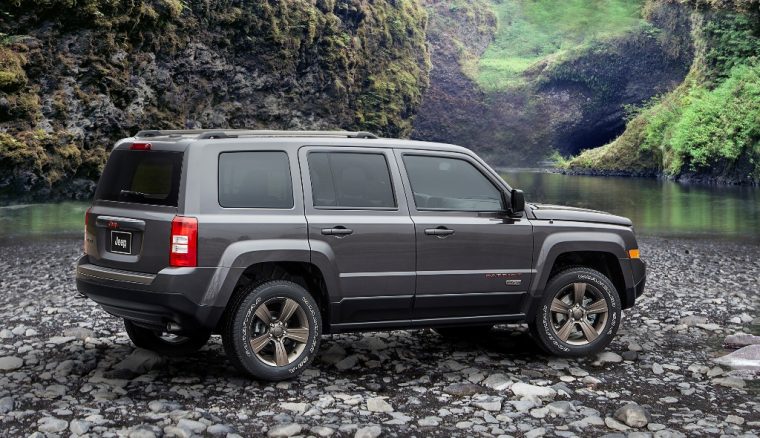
337, 231
439, 231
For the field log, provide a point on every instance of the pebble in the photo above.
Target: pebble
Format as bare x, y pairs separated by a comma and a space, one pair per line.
52, 425
463, 389
378, 404
401, 383
140, 361
521, 389
284, 430
10, 363
497, 381
79, 427
632, 415
369, 432
6, 405
488, 403
608, 357
730, 382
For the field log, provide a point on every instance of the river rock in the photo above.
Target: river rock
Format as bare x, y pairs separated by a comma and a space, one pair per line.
284, 430
497, 381
463, 389
140, 361
10, 363
52, 425
6, 405
608, 357
521, 389
378, 404
632, 415
740, 340
369, 432
730, 382
747, 358
488, 403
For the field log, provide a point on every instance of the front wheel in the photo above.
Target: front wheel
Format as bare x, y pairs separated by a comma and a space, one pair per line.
272, 331
163, 343
579, 314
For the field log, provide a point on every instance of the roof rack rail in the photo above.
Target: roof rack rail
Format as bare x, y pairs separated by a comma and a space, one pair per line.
235, 133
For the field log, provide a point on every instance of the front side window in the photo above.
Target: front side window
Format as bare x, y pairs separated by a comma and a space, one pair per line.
350, 180
442, 183
259, 179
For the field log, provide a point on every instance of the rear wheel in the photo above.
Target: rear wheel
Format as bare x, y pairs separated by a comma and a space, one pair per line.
164, 343
272, 331
579, 314
464, 332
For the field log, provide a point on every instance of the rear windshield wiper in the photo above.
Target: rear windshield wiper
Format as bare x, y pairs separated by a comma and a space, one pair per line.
143, 195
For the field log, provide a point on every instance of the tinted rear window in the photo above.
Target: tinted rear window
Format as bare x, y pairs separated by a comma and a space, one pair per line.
142, 177
258, 179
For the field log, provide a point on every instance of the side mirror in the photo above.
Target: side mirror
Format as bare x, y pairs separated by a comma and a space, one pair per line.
517, 202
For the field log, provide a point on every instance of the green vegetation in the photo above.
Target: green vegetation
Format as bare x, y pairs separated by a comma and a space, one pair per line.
530, 31
126, 66
709, 125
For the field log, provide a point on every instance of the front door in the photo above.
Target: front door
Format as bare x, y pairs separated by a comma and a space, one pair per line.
359, 221
472, 260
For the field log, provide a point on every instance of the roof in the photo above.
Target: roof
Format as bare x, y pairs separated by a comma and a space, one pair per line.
337, 138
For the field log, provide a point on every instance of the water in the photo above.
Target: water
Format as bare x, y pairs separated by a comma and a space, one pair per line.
656, 207
660, 208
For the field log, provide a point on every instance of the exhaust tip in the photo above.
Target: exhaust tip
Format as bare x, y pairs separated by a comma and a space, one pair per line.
173, 327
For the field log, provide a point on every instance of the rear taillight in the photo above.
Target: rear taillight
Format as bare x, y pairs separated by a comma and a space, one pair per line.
86, 221
184, 242
140, 147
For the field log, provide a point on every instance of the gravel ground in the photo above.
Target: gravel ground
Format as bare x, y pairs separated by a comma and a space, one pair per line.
68, 368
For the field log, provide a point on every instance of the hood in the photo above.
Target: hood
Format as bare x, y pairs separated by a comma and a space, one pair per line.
563, 213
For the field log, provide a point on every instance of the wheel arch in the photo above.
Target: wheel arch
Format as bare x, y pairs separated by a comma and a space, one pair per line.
605, 252
259, 261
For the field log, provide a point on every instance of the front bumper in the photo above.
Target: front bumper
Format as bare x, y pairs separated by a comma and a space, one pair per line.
150, 300
637, 284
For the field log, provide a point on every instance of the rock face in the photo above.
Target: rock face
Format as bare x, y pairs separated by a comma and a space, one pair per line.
74, 79
575, 101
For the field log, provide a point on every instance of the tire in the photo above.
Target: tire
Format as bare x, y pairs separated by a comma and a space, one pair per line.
254, 314
599, 307
464, 332
165, 345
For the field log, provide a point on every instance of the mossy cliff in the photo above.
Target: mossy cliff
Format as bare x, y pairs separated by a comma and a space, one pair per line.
707, 129
77, 75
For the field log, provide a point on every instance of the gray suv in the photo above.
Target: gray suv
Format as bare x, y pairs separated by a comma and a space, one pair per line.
272, 238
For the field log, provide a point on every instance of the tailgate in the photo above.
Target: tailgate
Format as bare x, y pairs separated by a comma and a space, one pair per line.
129, 224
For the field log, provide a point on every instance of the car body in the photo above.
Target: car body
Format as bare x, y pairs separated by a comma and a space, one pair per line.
336, 213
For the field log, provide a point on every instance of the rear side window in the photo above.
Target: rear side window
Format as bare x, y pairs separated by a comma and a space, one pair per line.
142, 177
350, 180
441, 183
259, 179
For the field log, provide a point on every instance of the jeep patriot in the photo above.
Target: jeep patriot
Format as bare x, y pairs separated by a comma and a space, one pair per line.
273, 238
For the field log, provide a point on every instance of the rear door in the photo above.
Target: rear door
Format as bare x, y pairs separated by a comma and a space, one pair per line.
472, 260
358, 219
129, 224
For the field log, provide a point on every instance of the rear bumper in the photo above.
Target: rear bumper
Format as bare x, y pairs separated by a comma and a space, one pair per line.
150, 300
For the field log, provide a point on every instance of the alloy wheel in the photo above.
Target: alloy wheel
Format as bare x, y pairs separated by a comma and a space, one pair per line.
579, 313
280, 331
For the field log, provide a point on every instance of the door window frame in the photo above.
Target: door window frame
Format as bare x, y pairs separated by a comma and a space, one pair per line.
397, 186
497, 183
